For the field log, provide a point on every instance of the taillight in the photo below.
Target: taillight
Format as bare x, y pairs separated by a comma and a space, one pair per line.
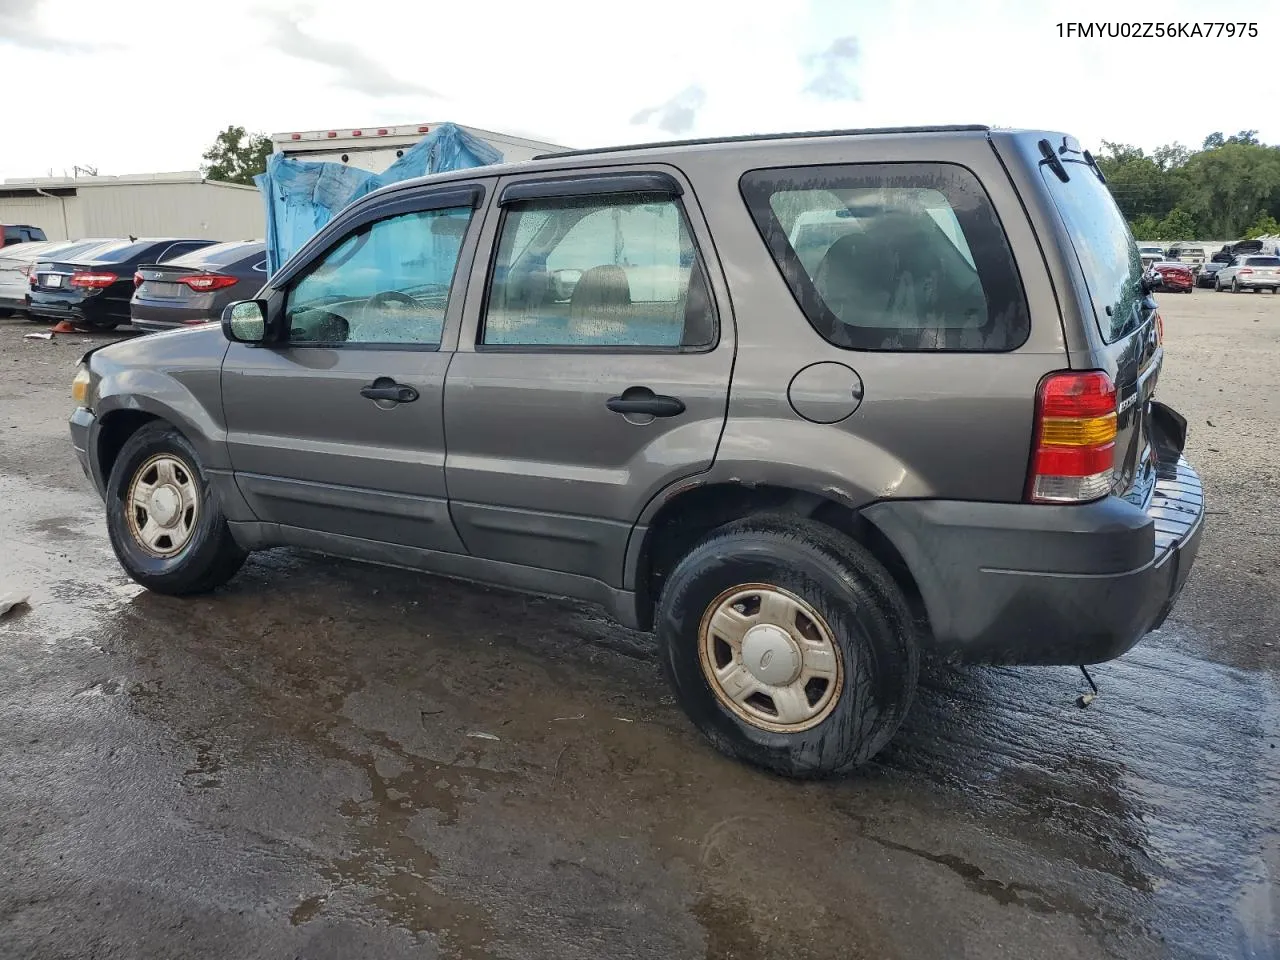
1243, 272
1073, 453
93, 281
202, 282
137, 280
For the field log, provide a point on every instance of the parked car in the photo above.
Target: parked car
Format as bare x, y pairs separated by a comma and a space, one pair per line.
609, 375
1206, 276
93, 289
194, 288
1193, 257
12, 233
15, 268
1249, 273
1178, 277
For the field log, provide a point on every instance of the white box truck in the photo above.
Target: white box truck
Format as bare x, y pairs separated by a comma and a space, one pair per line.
377, 147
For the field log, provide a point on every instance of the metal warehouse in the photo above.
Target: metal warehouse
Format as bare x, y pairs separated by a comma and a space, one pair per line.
145, 205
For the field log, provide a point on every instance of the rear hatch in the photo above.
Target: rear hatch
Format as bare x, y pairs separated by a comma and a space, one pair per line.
1261, 270
1125, 329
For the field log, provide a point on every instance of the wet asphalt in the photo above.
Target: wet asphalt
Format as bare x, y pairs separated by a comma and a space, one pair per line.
333, 760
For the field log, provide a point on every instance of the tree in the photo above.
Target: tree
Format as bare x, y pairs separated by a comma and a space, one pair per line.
1138, 183
1177, 225
1225, 189
236, 156
1214, 140
1170, 156
1248, 137
1265, 226
1146, 227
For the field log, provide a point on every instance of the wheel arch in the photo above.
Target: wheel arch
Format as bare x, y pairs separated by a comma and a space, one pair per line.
689, 515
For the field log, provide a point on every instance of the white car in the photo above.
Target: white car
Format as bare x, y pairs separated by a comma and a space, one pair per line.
15, 267
1249, 272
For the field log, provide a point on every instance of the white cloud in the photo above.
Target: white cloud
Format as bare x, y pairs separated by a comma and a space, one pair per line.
145, 85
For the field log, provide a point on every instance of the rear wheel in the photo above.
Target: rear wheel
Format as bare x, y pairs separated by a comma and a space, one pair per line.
788, 645
165, 525
1235, 285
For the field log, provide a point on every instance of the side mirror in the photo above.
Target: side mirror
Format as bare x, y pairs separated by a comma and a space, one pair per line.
245, 321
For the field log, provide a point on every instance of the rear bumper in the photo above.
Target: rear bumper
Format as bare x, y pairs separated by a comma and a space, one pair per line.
1034, 584
1253, 283
150, 316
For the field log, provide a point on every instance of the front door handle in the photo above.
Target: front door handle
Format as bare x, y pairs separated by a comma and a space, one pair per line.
642, 400
384, 388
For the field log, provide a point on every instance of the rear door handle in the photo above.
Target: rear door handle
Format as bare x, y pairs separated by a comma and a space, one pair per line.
384, 388
642, 400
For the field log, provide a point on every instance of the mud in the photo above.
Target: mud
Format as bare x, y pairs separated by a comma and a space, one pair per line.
334, 760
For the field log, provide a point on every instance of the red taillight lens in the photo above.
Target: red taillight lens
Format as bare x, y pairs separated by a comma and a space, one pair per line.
204, 282
1073, 452
137, 280
1243, 272
91, 280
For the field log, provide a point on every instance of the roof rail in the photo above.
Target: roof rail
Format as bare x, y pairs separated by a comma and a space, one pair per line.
741, 138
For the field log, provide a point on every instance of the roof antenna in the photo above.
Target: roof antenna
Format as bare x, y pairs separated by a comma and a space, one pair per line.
1085, 699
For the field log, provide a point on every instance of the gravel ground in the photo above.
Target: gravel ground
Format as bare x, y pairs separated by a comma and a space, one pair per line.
290, 767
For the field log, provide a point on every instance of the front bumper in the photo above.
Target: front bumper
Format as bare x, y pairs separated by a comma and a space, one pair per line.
84, 429
1038, 584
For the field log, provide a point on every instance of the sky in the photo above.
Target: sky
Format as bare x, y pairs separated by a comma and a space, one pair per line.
143, 86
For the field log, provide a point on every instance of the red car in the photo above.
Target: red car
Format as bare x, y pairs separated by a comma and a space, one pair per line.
1178, 277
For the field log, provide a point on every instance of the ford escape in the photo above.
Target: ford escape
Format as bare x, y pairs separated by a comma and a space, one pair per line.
806, 406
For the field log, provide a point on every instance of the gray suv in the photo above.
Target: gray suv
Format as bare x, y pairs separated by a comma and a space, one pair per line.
806, 406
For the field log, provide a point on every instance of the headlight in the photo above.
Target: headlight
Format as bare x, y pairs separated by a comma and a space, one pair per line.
80, 385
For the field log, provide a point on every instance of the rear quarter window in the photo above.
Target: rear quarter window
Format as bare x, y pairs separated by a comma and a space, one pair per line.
895, 257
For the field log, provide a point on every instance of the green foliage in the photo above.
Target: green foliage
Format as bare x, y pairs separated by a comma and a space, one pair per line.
1265, 226
1146, 227
1178, 225
236, 156
1218, 192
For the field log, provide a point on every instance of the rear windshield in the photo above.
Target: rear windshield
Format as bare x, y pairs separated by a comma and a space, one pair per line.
904, 256
220, 254
1104, 247
1264, 262
122, 250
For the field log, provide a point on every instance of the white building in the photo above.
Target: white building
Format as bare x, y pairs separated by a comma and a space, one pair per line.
144, 205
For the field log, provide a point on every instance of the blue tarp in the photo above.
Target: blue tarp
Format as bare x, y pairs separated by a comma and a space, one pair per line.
302, 196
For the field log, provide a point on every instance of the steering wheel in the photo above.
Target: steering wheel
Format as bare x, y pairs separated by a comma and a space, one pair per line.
385, 297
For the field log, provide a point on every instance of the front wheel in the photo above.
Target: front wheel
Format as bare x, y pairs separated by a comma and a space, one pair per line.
165, 525
788, 645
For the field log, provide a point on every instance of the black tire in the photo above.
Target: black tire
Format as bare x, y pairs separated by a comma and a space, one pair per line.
865, 610
209, 559
1235, 285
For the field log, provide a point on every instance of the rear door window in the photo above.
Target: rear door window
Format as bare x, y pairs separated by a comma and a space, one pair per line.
898, 257
1105, 249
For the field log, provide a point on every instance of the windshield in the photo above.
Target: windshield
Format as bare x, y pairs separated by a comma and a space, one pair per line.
1104, 247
